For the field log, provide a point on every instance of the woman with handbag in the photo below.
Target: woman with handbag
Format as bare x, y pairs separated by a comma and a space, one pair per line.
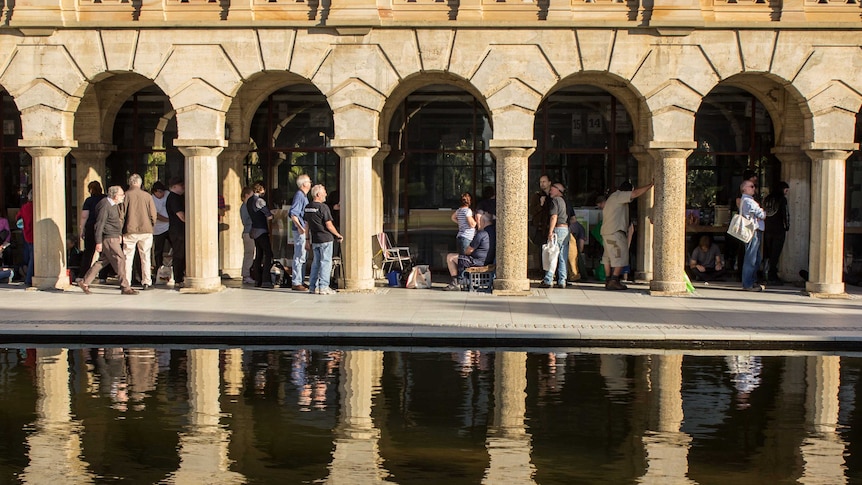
749, 208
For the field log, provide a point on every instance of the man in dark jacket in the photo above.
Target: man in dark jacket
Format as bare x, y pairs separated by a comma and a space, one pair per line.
775, 229
110, 217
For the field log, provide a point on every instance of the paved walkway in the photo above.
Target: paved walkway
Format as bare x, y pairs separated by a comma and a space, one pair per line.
583, 315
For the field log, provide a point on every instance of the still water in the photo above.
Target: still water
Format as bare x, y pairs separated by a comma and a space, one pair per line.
285, 416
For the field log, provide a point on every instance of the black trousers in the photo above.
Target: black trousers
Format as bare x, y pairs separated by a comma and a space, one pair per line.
159, 241
178, 247
711, 274
262, 259
773, 244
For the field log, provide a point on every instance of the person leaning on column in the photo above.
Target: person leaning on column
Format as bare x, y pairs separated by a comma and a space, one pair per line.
615, 226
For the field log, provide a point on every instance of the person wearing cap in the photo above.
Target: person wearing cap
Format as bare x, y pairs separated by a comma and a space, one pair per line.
558, 226
160, 228
615, 227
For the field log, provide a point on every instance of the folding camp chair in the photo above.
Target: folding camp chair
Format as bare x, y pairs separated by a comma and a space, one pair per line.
392, 255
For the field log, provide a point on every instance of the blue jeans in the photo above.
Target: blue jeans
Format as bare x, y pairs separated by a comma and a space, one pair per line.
28, 255
463, 244
563, 243
752, 260
321, 267
299, 255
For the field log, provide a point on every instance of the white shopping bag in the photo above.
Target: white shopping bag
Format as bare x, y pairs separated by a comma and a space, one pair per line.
420, 277
550, 254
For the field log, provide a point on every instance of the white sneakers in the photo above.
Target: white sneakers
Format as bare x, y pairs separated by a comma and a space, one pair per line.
323, 291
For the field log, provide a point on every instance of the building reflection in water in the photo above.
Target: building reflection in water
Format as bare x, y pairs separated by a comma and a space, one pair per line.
343, 417
54, 446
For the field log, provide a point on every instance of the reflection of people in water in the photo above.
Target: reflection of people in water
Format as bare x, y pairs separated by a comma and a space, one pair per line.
468, 360
745, 373
553, 375
310, 374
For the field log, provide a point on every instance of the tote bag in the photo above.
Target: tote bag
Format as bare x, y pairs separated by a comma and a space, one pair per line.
741, 228
420, 277
550, 254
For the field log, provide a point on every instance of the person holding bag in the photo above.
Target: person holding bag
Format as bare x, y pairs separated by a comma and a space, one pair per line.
558, 233
750, 209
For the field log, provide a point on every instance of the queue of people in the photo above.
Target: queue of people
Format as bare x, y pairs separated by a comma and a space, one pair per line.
117, 225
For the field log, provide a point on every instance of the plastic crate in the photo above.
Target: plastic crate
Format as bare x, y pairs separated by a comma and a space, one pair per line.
480, 281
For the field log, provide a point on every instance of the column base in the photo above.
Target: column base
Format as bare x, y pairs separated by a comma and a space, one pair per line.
643, 276
202, 285
51, 283
231, 274
825, 290
358, 286
667, 288
513, 287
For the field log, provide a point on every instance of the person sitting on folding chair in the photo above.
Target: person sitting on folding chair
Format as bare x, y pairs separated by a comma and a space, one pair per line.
480, 252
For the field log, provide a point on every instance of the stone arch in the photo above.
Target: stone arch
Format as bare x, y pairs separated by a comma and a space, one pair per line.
102, 100
417, 81
47, 86
623, 90
787, 107
250, 96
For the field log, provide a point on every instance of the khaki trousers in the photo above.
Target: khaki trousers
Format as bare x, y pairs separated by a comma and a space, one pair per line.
112, 253
144, 244
573, 272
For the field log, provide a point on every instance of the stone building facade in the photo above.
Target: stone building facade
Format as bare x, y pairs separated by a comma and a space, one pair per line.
70, 65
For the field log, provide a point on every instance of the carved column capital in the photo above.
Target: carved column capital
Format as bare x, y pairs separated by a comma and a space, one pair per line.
39, 152
828, 154
660, 154
355, 151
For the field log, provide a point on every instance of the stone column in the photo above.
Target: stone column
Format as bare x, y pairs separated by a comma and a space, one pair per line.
230, 175
203, 445
233, 373
377, 187
823, 450
508, 442
201, 178
666, 448
89, 167
49, 216
357, 214
826, 250
645, 204
669, 220
512, 226
796, 171
356, 458
54, 446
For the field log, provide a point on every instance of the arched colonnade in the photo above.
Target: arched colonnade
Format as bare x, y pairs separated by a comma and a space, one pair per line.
69, 85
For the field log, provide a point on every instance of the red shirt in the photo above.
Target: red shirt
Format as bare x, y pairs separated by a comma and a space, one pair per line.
26, 214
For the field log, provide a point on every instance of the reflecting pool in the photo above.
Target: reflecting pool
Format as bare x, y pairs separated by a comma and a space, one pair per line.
426, 416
